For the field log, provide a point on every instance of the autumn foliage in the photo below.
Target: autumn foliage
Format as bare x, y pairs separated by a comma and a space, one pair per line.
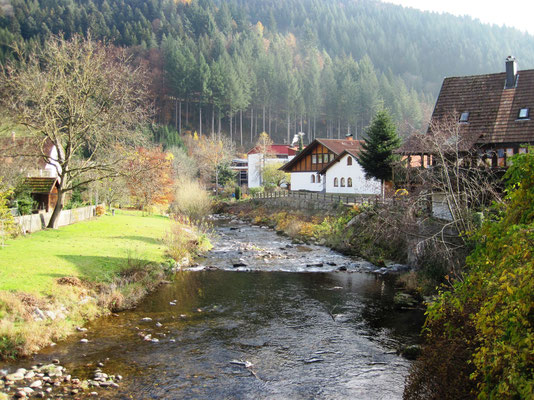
150, 177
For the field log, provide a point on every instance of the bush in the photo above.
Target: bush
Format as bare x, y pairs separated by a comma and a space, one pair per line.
185, 240
191, 201
255, 190
25, 203
100, 210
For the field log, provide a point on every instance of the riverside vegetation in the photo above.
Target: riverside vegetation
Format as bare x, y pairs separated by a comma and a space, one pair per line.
479, 332
55, 280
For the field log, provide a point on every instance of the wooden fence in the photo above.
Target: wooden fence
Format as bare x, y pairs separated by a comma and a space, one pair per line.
328, 198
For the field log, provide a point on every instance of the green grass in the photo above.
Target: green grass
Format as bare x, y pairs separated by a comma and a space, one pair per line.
95, 250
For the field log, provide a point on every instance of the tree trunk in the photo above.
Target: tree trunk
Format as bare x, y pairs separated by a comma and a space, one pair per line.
231, 130
187, 113
251, 125
288, 128
200, 118
180, 119
176, 114
270, 118
212, 120
219, 126
263, 115
338, 128
54, 218
314, 126
241, 126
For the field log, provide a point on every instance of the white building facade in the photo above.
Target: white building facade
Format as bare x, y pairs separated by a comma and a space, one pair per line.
345, 175
278, 154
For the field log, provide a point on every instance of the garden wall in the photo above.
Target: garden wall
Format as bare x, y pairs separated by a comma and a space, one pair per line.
36, 222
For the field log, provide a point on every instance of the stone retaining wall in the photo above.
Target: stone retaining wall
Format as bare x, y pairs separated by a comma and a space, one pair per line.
36, 222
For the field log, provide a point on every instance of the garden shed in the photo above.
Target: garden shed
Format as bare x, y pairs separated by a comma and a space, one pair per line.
43, 190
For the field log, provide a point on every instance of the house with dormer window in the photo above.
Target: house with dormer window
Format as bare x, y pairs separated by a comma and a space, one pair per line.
493, 114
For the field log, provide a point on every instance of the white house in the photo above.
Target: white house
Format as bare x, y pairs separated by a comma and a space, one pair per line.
315, 168
345, 175
276, 153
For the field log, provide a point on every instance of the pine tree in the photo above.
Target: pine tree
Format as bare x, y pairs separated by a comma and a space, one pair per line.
377, 155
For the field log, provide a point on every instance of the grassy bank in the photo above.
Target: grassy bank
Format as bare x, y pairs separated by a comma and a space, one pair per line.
55, 280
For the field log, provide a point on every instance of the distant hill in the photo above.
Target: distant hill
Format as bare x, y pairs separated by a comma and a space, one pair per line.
322, 67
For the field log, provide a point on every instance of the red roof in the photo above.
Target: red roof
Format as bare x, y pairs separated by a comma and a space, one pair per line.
276, 149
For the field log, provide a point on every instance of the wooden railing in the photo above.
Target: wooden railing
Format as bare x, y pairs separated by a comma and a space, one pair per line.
343, 198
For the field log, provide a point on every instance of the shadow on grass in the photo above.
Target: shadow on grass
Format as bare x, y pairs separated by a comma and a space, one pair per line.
102, 268
145, 239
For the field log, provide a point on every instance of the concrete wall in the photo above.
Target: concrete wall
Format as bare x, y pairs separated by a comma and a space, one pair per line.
36, 222
360, 185
303, 181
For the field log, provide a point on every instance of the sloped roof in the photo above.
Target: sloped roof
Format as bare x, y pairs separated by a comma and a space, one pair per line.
276, 149
336, 146
40, 185
353, 152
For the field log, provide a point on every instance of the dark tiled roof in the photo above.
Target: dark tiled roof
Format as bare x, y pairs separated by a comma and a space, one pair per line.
336, 146
40, 185
493, 110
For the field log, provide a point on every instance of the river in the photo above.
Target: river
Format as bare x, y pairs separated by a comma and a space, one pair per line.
269, 319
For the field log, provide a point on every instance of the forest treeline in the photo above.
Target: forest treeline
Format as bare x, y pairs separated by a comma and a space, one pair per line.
242, 67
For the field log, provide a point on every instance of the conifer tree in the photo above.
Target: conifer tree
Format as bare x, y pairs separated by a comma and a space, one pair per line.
377, 155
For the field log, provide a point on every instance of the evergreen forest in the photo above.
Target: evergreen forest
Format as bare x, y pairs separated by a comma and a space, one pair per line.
242, 67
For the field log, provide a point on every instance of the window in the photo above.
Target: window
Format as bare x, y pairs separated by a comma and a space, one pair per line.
522, 150
500, 158
524, 113
313, 178
509, 153
349, 182
336, 182
464, 117
349, 160
314, 159
342, 182
332, 157
318, 178
319, 158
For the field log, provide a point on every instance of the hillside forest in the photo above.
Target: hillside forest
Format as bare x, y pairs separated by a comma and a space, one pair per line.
243, 67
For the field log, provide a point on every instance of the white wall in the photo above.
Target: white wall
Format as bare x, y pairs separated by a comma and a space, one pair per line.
36, 222
302, 181
254, 167
360, 185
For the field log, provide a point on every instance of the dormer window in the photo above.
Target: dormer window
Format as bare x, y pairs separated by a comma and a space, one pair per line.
464, 117
524, 113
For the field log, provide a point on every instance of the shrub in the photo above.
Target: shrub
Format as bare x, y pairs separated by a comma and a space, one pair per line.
191, 201
255, 190
186, 240
100, 210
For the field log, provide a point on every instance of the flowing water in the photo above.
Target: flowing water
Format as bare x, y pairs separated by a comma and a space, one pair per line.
274, 321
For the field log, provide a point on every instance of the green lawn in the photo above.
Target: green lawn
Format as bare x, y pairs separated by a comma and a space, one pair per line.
93, 250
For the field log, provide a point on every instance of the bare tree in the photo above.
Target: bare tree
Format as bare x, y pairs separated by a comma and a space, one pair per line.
82, 96
211, 154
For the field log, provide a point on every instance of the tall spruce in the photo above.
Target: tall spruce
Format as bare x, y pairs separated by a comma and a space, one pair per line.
377, 157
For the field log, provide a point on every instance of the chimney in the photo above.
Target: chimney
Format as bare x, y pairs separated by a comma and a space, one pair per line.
348, 136
511, 72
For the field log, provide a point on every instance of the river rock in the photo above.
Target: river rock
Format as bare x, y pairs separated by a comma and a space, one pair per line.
21, 394
159, 324
36, 384
16, 376
38, 314
342, 268
29, 375
314, 265
404, 300
411, 352
146, 319
79, 329
50, 314
84, 341
239, 264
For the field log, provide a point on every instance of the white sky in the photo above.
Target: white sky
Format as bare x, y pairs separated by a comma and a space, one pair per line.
518, 13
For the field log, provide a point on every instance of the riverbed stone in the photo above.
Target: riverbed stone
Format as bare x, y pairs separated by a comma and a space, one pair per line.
36, 384
21, 394
16, 376
29, 375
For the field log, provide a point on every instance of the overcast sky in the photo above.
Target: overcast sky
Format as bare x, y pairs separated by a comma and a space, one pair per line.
518, 13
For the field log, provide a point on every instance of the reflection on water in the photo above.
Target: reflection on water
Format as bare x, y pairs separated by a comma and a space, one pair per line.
307, 335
